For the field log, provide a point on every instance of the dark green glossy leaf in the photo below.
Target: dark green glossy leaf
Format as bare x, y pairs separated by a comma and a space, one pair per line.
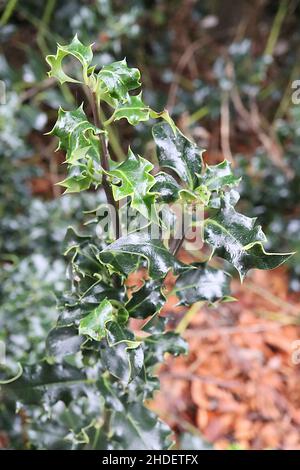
132, 425
146, 301
45, 381
63, 341
139, 429
155, 325
120, 262
116, 80
159, 344
167, 187
124, 360
74, 240
165, 116
117, 334
76, 135
202, 284
158, 258
134, 110
176, 152
95, 323
137, 181
216, 177
238, 239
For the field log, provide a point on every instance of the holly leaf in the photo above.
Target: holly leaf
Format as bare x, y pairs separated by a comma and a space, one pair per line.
202, 284
136, 182
217, 177
157, 345
77, 136
132, 425
124, 360
176, 152
77, 183
74, 240
47, 382
159, 260
165, 116
95, 323
63, 341
139, 429
155, 325
134, 110
146, 301
116, 80
75, 49
167, 187
239, 240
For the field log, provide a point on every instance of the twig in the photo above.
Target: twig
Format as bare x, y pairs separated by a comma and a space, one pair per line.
176, 245
104, 154
253, 120
188, 317
184, 61
276, 28
9, 9
286, 97
31, 92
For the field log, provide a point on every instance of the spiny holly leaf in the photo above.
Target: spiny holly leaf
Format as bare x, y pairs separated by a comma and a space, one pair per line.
167, 187
47, 382
158, 258
146, 301
63, 341
77, 136
216, 199
155, 325
124, 360
176, 152
202, 284
77, 183
76, 49
95, 323
116, 80
117, 334
200, 195
203, 194
134, 110
158, 344
119, 262
216, 177
74, 240
238, 239
132, 425
137, 181
139, 429
75, 308
165, 116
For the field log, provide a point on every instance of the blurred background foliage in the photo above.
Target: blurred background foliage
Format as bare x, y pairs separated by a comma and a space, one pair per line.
223, 69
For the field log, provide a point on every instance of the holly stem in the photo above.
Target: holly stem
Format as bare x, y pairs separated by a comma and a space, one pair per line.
104, 155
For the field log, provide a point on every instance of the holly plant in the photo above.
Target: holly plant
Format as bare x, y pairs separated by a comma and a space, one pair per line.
100, 367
